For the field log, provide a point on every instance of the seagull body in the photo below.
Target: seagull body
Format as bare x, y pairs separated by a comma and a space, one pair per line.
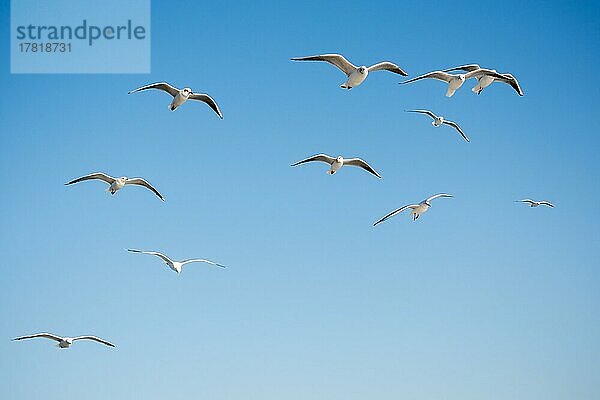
339, 162
417, 209
533, 203
65, 342
180, 96
356, 75
486, 79
439, 120
116, 184
456, 81
176, 266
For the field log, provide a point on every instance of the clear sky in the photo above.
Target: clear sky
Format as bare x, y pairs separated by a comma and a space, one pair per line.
481, 298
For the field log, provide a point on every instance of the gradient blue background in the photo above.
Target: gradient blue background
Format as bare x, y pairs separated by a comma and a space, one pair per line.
481, 298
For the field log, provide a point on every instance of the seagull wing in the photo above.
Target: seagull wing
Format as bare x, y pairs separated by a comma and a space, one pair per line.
94, 338
153, 253
97, 175
435, 196
526, 201
395, 212
358, 162
478, 73
387, 66
467, 67
208, 100
192, 260
164, 86
143, 182
42, 335
455, 126
430, 113
334, 59
512, 81
547, 203
439, 75
319, 157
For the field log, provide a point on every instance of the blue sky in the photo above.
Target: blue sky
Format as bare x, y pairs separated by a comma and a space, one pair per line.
480, 298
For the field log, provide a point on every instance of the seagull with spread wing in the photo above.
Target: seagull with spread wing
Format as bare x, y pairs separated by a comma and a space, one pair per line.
439, 120
356, 75
417, 209
533, 203
180, 96
456, 81
175, 265
64, 342
116, 184
339, 162
486, 80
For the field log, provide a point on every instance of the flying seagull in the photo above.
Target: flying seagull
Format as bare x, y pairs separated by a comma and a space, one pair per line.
487, 80
117, 183
456, 81
417, 209
65, 342
339, 162
180, 96
175, 265
533, 203
437, 121
356, 75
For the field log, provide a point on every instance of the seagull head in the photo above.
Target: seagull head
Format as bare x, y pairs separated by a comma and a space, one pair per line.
362, 69
187, 91
339, 159
123, 178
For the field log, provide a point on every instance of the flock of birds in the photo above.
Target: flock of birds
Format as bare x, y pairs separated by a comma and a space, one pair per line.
355, 76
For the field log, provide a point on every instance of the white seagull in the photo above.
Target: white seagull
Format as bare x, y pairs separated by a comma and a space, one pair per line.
180, 96
417, 209
439, 120
486, 80
175, 265
65, 342
533, 203
456, 81
356, 75
339, 162
116, 184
